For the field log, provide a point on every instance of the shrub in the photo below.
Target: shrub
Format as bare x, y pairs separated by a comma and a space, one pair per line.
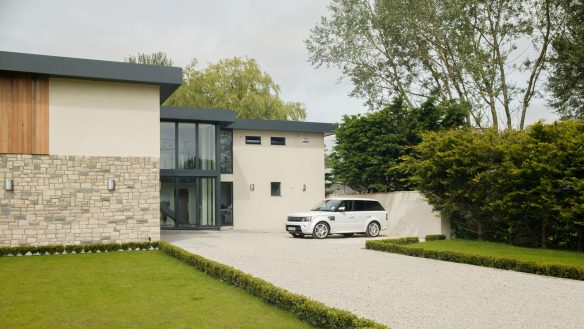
77, 248
302, 307
406, 240
560, 271
434, 237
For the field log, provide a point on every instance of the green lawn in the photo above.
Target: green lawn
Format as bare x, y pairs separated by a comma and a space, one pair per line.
540, 256
138, 289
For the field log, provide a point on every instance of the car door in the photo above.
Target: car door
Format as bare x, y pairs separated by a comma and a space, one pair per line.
360, 216
343, 217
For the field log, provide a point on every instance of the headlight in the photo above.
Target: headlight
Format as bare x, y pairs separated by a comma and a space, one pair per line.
307, 219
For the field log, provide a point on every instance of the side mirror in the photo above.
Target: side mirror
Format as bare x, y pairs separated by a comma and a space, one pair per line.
341, 209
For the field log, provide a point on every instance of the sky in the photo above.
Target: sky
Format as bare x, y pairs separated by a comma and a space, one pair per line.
270, 31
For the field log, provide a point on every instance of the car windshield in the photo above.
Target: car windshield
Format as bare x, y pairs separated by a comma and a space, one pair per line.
327, 205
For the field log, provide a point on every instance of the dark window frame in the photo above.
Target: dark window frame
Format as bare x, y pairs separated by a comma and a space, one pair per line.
221, 151
279, 190
275, 141
249, 139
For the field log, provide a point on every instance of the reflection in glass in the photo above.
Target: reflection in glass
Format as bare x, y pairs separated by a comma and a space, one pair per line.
187, 202
226, 151
167, 213
187, 145
227, 203
207, 201
167, 145
207, 145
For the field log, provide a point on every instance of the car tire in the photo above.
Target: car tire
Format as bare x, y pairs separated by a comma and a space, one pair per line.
297, 235
348, 235
373, 229
321, 230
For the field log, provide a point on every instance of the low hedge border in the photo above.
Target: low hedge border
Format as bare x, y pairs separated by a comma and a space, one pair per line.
76, 248
560, 271
435, 237
300, 306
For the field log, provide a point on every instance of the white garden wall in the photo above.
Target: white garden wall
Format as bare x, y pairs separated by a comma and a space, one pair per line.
409, 214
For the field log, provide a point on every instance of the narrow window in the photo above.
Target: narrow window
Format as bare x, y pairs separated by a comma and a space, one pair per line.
278, 140
253, 140
276, 189
226, 151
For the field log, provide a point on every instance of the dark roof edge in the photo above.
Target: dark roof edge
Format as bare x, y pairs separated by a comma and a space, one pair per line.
168, 78
197, 114
285, 126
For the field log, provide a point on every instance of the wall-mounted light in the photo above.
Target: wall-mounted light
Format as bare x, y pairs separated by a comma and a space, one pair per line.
111, 184
251, 187
303, 187
9, 184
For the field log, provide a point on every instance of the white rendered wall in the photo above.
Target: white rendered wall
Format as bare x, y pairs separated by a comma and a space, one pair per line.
103, 118
409, 214
293, 164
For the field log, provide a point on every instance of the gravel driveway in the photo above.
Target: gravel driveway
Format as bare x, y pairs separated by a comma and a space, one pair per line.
400, 291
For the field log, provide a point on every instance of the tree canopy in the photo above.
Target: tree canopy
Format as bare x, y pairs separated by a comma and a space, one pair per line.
567, 64
464, 50
234, 83
369, 147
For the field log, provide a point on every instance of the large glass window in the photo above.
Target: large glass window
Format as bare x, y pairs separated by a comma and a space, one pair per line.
227, 203
207, 201
167, 213
187, 145
187, 202
207, 146
167, 145
226, 149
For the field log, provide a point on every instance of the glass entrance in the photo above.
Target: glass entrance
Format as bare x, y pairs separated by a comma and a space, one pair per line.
227, 203
187, 202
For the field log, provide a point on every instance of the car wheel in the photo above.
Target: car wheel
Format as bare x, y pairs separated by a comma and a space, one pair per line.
348, 235
373, 229
298, 235
321, 230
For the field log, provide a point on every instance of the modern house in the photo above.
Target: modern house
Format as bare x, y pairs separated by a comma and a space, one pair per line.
88, 155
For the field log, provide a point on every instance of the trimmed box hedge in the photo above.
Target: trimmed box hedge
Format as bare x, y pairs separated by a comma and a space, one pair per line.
396, 246
300, 306
434, 237
76, 248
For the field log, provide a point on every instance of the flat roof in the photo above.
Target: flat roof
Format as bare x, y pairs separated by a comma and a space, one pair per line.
282, 125
168, 78
196, 114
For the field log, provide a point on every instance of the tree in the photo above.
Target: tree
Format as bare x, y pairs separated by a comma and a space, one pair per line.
567, 75
156, 58
369, 147
235, 83
462, 50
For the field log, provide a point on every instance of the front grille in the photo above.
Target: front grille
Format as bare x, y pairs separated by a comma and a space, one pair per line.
294, 219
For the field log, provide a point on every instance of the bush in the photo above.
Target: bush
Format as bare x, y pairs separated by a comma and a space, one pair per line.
560, 271
406, 240
434, 237
302, 307
520, 187
77, 248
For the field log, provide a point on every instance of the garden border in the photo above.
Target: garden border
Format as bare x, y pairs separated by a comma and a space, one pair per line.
399, 246
76, 248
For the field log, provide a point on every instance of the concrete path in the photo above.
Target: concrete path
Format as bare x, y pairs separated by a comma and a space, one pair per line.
400, 291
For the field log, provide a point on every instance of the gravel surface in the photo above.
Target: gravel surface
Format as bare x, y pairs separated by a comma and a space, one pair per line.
400, 291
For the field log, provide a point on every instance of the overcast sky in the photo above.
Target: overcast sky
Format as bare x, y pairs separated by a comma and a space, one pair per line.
270, 31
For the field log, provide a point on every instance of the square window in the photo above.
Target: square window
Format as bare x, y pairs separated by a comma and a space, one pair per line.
253, 140
278, 140
275, 188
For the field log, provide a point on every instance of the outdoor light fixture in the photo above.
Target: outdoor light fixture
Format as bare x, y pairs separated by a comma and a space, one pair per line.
111, 184
303, 187
8, 184
251, 187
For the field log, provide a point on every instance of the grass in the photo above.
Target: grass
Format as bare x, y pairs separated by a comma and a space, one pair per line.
539, 256
143, 289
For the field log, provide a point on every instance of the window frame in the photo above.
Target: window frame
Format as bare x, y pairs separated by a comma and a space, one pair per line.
275, 138
279, 191
250, 138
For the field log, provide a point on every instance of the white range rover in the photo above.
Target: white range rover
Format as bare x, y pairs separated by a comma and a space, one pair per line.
345, 216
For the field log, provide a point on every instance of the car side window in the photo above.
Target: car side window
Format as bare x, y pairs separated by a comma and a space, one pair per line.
374, 206
359, 205
347, 204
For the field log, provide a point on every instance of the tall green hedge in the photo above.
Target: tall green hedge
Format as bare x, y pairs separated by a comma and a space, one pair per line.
521, 187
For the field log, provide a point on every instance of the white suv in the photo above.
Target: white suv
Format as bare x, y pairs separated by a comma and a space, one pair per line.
345, 216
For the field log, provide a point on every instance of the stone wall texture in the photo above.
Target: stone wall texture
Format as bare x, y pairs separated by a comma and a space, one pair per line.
65, 200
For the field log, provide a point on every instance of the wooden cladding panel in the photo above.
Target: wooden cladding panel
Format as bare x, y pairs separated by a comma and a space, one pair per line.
24, 114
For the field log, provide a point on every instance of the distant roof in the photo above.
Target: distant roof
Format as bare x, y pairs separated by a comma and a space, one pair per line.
281, 125
168, 78
197, 114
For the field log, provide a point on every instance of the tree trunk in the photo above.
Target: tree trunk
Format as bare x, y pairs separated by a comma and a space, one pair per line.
580, 246
543, 241
480, 232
